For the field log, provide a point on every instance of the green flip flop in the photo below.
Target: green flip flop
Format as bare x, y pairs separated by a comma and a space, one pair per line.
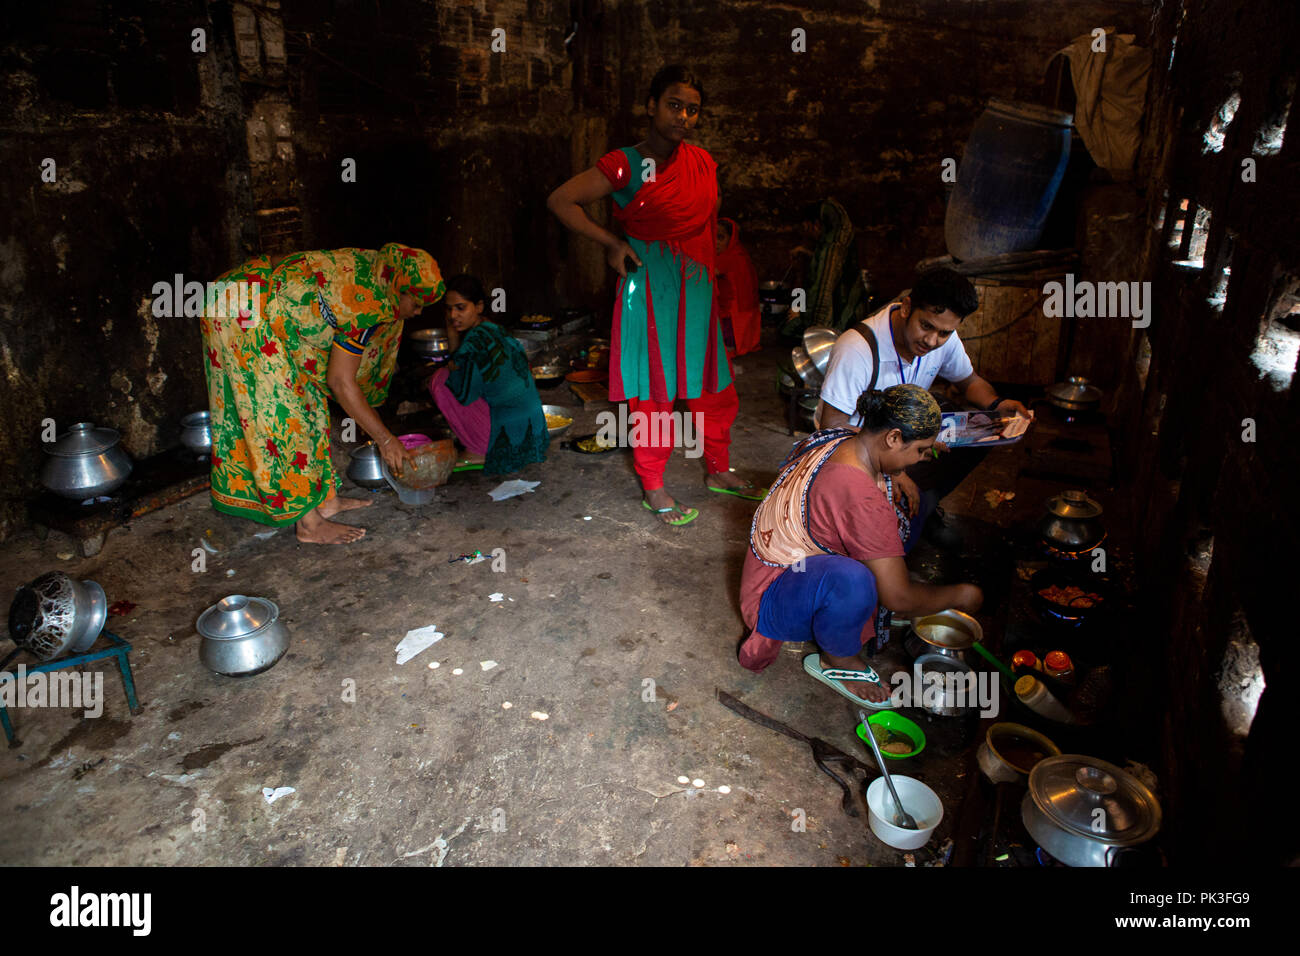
687, 516
833, 676
755, 494
467, 466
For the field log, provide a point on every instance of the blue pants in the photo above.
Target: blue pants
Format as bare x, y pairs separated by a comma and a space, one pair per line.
829, 601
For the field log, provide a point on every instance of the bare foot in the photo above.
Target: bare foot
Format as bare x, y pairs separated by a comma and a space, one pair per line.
332, 506
312, 528
876, 693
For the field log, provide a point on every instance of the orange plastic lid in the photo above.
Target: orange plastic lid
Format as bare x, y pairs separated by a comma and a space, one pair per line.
1024, 659
1057, 661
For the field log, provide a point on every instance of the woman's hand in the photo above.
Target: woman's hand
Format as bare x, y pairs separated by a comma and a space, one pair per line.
618, 256
911, 493
394, 454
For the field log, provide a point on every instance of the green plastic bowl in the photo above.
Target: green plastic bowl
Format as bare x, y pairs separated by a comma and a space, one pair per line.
899, 725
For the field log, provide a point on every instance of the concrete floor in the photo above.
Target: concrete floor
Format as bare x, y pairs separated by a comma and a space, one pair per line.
427, 767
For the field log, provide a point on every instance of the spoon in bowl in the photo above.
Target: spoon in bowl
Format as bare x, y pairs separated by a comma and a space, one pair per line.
901, 817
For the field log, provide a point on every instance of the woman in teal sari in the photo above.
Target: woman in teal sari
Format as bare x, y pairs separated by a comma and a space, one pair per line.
487, 392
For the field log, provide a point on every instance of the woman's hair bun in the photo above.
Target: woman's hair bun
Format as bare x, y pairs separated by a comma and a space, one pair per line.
909, 408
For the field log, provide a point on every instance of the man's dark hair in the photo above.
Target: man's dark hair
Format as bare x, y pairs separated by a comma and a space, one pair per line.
943, 290
676, 73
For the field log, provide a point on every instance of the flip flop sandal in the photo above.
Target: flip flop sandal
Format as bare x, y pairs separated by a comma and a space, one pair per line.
688, 515
832, 676
755, 494
467, 466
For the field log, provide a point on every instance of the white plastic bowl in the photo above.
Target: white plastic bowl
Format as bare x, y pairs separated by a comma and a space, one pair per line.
919, 800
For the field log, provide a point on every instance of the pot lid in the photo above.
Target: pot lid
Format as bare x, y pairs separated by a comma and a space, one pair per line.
83, 439
366, 452
818, 342
1094, 799
1073, 504
428, 334
236, 616
1076, 389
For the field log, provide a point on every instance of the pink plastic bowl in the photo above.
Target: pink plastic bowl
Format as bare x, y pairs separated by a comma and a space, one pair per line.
414, 440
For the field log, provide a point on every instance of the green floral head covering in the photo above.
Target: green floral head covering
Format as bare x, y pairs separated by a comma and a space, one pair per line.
411, 271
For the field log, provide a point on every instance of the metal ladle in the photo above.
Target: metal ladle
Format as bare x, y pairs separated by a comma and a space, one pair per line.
901, 817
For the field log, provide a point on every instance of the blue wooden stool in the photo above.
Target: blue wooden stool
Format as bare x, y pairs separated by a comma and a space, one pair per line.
118, 648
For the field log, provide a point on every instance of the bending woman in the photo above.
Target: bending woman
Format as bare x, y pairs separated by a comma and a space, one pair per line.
826, 546
487, 392
666, 342
314, 325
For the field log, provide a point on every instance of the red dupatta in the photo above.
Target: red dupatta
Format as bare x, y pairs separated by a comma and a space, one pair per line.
678, 207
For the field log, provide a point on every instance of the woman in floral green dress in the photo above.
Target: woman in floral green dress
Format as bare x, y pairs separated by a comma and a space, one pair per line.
314, 325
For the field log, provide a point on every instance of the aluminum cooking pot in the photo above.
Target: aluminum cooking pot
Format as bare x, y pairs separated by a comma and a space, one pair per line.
242, 636
1087, 812
55, 615
85, 462
1075, 394
364, 469
1072, 523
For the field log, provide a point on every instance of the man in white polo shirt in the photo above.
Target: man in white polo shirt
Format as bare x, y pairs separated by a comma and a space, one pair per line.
913, 341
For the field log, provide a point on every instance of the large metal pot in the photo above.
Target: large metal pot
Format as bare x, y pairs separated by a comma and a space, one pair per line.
1072, 525
948, 633
85, 462
241, 636
804, 367
819, 342
1087, 812
55, 615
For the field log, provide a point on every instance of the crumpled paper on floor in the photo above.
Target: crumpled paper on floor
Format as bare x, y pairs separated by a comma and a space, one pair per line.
277, 793
416, 641
511, 488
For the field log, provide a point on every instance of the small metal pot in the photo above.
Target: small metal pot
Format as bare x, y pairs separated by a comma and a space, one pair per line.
242, 636
1075, 395
548, 376
948, 633
364, 469
943, 703
196, 432
1087, 812
995, 765
85, 462
1072, 526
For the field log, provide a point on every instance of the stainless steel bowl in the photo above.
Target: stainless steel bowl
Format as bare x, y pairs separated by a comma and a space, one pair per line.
196, 432
242, 636
558, 410
819, 342
948, 633
365, 470
85, 462
804, 368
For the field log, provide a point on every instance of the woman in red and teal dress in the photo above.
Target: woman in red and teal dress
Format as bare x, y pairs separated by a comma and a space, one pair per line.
313, 326
666, 341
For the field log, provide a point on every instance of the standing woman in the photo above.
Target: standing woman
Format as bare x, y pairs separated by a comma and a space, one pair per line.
487, 393
316, 325
666, 342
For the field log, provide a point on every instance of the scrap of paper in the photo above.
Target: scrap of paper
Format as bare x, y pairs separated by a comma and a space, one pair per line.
511, 488
416, 641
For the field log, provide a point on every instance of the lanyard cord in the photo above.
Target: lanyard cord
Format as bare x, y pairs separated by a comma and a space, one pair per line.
915, 372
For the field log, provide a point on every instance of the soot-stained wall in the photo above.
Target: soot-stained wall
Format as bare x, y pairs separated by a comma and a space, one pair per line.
172, 160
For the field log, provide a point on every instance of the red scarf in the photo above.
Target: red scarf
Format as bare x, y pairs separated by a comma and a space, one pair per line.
678, 207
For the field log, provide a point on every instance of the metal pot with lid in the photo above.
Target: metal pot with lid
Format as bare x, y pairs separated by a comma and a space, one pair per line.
1074, 397
1087, 812
1072, 525
242, 636
85, 462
